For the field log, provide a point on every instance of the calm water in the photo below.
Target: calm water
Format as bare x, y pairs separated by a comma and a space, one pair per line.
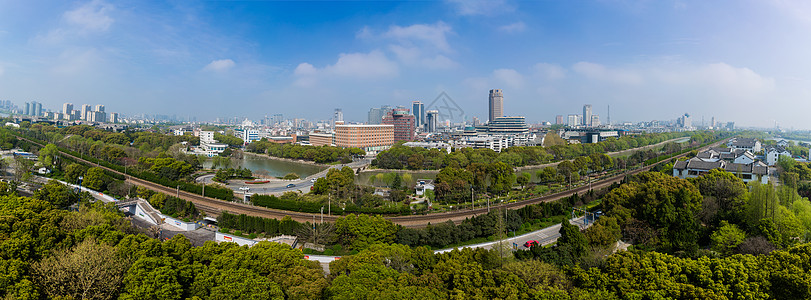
275, 168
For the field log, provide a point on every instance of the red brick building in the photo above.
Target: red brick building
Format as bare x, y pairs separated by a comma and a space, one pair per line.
403, 122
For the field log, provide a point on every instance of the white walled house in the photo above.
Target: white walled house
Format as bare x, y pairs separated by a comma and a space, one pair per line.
744, 143
757, 171
773, 154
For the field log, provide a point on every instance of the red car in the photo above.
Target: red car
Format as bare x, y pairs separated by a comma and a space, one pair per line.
531, 243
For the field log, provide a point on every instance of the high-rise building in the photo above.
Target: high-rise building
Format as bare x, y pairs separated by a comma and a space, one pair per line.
573, 120
686, 121
418, 109
339, 115
113, 117
431, 121
376, 114
37, 107
85, 110
595, 121
496, 104
67, 108
586, 115
403, 123
27, 110
559, 119
99, 107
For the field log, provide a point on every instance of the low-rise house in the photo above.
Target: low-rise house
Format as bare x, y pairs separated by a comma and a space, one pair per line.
696, 167
423, 185
773, 154
744, 143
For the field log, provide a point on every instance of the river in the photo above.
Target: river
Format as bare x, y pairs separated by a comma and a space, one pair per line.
275, 168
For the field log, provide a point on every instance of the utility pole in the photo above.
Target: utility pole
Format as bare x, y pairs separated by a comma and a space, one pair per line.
471, 198
322, 214
178, 191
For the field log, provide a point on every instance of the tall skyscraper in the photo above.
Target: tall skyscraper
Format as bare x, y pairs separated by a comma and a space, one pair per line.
27, 110
496, 104
67, 108
573, 120
418, 109
587, 115
338, 116
376, 114
85, 109
100, 108
37, 109
431, 120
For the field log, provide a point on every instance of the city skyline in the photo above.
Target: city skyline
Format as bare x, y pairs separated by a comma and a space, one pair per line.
214, 59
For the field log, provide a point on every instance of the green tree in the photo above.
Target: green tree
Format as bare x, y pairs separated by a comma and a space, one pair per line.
57, 194
523, 179
358, 232
94, 179
73, 171
727, 238
88, 271
47, 155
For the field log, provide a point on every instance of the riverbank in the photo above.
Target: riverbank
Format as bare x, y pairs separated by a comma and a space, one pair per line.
298, 161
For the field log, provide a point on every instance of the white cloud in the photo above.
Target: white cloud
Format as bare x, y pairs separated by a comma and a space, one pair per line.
514, 27
92, 16
363, 65
305, 69
423, 34
550, 71
600, 72
220, 65
424, 45
481, 7
509, 77
416, 56
372, 65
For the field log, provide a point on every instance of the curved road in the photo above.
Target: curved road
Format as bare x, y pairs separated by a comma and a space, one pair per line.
212, 207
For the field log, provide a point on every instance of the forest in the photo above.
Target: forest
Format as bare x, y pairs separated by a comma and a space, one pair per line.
93, 253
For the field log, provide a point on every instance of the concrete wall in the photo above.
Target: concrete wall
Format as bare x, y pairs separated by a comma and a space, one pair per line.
187, 226
141, 214
222, 237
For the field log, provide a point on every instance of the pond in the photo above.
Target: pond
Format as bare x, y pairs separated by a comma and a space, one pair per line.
275, 168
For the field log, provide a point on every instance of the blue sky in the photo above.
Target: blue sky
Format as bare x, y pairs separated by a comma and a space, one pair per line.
744, 61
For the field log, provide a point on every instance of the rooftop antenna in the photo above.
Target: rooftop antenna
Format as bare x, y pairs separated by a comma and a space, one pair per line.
609, 115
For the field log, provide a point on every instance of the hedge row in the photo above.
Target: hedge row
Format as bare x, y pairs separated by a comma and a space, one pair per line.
271, 201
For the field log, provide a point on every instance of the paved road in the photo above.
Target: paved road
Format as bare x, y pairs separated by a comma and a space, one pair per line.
544, 237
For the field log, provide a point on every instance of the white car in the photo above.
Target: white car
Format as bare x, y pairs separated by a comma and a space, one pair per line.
313, 180
244, 188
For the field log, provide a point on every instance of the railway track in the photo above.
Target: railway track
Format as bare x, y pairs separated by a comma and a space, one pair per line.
213, 207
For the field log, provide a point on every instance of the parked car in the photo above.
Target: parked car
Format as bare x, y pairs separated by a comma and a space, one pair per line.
291, 185
244, 188
313, 180
531, 243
